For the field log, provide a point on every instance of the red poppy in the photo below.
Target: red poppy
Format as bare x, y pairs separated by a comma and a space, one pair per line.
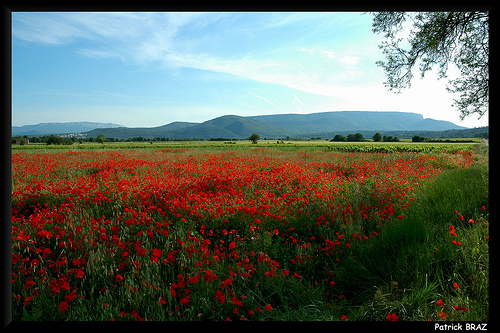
392, 317
27, 300
71, 297
236, 302
193, 279
268, 307
157, 253
63, 306
28, 284
79, 273
460, 308
439, 302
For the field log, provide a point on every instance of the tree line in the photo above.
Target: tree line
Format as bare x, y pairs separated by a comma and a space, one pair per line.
358, 137
425, 136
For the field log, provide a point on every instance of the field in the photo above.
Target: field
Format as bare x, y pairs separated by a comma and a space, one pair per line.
219, 231
313, 145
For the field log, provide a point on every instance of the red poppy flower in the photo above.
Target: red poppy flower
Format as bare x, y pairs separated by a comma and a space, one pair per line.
27, 300
70, 297
236, 302
268, 307
28, 284
157, 253
79, 273
439, 302
63, 306
392, 317
193, 279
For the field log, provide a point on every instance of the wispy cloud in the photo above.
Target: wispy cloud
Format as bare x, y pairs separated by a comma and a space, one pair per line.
349, 60
263, 98
298, 100
160, 39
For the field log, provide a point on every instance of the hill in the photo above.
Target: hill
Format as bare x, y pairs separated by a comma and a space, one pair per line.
59, 128
230, 127
145, 132
322, 124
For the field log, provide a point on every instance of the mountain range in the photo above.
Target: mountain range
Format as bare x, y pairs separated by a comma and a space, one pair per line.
59, 128
323, 124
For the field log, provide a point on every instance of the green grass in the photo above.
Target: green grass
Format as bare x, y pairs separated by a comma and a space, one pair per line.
413, 262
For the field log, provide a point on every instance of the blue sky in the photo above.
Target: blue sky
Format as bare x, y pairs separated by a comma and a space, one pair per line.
145, 69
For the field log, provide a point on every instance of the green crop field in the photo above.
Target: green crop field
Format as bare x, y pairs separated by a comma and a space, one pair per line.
318, 145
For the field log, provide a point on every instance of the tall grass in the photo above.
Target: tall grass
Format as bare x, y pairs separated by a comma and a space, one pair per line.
413, 263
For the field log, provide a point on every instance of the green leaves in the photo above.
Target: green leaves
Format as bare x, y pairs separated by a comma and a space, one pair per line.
443, 39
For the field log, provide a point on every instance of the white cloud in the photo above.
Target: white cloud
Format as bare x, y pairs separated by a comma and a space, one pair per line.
263, 98
297, 99
349, 60
328, 55
149, 39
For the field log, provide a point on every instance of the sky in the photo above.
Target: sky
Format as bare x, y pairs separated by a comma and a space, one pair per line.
147, 69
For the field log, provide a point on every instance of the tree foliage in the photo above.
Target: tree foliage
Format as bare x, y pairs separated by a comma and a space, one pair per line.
338, 137
57, 140
377, 137
101, 138
441, 39
254, 138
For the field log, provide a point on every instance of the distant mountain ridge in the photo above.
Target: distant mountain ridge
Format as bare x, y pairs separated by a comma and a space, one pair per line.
324, 124
356, 120
60, 128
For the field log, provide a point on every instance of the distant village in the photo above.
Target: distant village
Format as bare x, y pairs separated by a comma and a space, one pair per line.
74, 135
68, 138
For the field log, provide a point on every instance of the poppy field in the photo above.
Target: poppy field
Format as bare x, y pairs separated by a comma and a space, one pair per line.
249, 234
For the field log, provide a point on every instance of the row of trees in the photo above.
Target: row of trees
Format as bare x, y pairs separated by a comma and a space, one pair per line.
358, 137
254, 138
